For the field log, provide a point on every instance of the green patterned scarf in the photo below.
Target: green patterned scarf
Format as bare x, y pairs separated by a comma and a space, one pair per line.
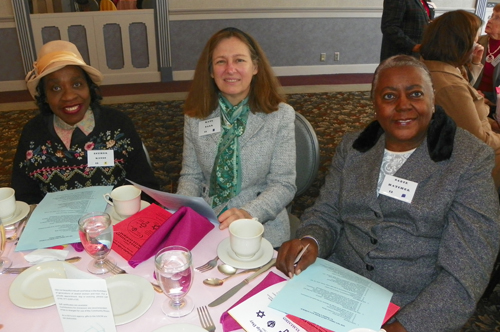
225, 180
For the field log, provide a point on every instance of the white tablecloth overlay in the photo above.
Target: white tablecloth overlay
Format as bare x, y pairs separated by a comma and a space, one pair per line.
47, 319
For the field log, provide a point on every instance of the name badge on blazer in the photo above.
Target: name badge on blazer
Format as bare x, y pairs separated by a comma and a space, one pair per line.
398, 188
496, 61
101, 158
210, 126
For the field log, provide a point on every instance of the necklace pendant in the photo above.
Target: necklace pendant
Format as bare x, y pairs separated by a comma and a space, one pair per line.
490, 58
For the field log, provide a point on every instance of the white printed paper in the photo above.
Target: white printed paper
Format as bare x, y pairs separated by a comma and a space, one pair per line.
83, 305
255, 315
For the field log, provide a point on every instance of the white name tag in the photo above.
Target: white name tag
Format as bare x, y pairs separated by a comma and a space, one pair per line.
496, 61
398, 188
101, 158
210, 126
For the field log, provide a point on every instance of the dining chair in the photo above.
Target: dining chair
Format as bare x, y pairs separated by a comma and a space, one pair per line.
495, 278
307, 164
147, 155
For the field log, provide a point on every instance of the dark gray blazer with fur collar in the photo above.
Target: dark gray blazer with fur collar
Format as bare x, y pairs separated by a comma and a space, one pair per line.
436, 253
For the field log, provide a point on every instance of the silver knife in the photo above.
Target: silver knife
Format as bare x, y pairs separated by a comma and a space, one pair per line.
224, 297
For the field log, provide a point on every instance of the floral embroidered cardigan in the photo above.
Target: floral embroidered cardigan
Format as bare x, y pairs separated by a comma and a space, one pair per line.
43, 164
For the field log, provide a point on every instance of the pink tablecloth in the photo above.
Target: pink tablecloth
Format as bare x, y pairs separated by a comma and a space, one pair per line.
47, 319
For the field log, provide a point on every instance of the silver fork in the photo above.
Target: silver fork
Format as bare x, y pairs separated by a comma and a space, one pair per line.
205, 319
208, 265
115, 269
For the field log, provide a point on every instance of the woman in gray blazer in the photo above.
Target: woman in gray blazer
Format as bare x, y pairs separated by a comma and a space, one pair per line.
239, 136
410, 204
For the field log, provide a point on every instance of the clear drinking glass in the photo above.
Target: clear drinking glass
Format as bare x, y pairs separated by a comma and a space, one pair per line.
96, 235
174, 271
4, 261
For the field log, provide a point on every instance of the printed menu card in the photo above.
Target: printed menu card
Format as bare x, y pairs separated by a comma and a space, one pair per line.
55, 220
83, 305
132, 233
254, 315
334, 297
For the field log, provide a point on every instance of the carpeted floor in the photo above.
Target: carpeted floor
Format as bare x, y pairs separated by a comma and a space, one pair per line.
160, 126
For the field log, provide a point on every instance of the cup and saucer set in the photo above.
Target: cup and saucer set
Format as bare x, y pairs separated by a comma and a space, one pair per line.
245, 248
11, 211
126, 201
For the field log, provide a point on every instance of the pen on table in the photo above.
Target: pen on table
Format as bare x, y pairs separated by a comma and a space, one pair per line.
299, 256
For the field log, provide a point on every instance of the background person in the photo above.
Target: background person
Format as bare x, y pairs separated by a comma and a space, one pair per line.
56, 147
434, 252
245, 167
403, 23
447, 47
490, 74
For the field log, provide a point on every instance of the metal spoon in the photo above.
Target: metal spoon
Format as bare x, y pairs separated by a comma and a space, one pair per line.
227, 269
219, 282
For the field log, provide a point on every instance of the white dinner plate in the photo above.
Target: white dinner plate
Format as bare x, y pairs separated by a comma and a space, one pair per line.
22, 210
115, 218
227, 255
180, 328
31, 289
130, 295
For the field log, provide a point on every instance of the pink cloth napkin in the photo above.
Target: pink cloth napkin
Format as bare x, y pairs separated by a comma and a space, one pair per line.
184, 228
228, 322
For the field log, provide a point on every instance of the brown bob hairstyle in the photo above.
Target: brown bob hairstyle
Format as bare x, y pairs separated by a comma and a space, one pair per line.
450, 37
203, 97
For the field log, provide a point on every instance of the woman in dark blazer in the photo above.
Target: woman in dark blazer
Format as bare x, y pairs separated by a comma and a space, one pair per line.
403, 24
435, 247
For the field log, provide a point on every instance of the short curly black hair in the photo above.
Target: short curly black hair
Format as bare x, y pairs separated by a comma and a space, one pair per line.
41, 97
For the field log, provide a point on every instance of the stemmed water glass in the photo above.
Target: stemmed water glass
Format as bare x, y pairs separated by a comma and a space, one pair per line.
174, 270
4, 261
96, 235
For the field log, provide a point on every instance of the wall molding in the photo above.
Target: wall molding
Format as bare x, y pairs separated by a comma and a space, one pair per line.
284, 12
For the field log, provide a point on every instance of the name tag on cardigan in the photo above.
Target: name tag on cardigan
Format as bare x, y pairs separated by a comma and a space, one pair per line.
210, 126
398, 188
101, 158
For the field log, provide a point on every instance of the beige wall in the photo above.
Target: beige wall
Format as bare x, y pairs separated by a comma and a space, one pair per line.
275, 4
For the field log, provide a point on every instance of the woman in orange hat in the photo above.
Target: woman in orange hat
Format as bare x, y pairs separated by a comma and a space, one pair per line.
74, 142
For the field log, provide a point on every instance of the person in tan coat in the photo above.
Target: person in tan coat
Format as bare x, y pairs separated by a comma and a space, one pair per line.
447, 47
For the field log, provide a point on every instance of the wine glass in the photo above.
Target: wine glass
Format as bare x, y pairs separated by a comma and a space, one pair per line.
174, 270
4, 261
96, 235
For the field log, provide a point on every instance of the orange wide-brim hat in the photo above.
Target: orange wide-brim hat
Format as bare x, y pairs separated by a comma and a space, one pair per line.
53, 56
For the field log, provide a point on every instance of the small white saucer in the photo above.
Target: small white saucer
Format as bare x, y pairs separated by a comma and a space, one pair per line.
22, 210
227, 255
115, 218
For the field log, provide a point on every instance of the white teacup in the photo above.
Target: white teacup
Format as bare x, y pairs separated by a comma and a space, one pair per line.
126, 200
245, 237
7, 203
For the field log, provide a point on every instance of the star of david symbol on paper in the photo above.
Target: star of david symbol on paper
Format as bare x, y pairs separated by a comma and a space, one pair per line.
155, 227
271, 323
260, 314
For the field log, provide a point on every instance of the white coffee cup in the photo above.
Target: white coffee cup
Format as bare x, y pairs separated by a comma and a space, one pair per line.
7, 203
245, 237
126, 200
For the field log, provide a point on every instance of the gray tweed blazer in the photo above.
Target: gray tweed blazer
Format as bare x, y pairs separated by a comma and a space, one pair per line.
268, 167
436, 253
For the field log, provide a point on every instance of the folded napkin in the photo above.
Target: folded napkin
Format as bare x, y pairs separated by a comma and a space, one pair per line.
228, 322
45, 255
185, 228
